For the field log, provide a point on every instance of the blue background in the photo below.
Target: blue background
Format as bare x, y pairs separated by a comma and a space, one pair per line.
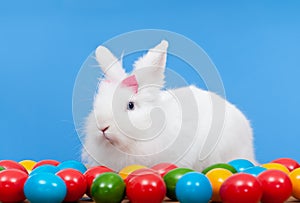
254, 44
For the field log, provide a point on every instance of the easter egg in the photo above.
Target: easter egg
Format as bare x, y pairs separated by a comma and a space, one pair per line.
220, 165
295, 179
46, 162
241, 188
217, 177
108, 187
45, 169
277, 186
146, 188
129, 169
75, 183
28, 164
276, 166
45, 187
11, 185
289, 163
92, 173
241, 164
255, 170
9, 164
163, 168
141, 171
72, 164
171, 179
193, 187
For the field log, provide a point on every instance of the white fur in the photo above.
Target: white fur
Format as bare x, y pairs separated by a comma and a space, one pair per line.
148, 134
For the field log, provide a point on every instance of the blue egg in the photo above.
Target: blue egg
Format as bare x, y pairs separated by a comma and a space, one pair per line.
241, 164
193, 187
45, 187
72, 164
45, 169
256, 170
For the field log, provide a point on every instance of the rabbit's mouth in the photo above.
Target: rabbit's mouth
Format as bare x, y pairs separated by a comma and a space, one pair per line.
108, 138
105, 135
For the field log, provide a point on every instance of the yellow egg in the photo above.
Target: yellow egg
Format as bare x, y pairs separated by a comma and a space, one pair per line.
276, 166
295, 178
129, 169
216, 177
28, 164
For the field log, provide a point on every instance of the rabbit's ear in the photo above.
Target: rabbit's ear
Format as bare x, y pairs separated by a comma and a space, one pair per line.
110, 65
149, 69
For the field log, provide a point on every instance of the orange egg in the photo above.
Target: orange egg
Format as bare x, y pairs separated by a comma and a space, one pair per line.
28, 164
295, 178
129, 169
216, 177
276, 166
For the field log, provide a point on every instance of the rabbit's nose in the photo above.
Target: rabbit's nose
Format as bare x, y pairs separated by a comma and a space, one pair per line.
104, 129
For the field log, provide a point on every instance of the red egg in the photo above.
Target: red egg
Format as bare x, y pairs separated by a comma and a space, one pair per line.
241, 188
142, 171
277, 186
9, 164
291, 164
44, 162
92, 173
75, 182
11, 185
163, 168
146, 188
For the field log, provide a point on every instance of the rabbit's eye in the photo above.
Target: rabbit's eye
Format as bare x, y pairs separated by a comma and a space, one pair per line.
130, 105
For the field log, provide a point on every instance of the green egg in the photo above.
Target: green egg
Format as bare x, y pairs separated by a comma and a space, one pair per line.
220, 165
171, 179
108, 188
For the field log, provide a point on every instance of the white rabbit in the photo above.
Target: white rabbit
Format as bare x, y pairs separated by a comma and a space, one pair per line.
135, 121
